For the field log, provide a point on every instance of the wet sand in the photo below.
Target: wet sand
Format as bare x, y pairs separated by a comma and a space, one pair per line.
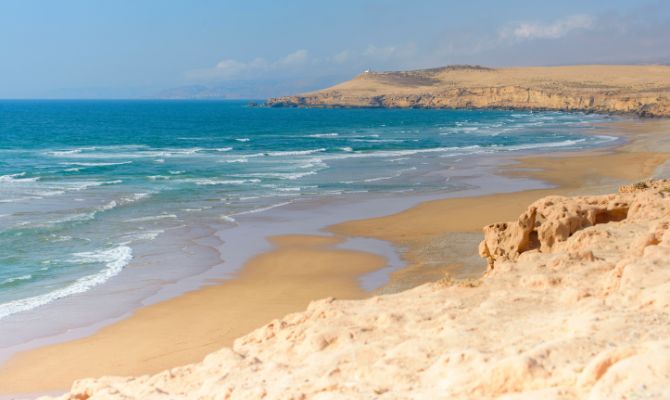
303, 268
184, 329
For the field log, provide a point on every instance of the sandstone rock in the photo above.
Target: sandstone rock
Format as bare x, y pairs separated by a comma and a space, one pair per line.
548, 223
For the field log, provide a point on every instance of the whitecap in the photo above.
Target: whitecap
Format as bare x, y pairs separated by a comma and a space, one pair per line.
211, 182
58, 238
15, 178
282, 175
17, 278
63, 153
607, 138
228, 218
83, 185
261, 209
108, 206
401, 153
294, 152
115, 260
379, 140
381, 178
237, 160
20, 199
146, 235
152, 218
96, 164
158, 177
71, 152
565, 143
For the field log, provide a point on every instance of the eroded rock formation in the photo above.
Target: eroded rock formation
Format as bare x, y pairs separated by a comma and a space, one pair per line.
550, 221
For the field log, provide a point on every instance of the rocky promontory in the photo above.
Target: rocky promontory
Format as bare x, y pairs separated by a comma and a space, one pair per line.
643, 90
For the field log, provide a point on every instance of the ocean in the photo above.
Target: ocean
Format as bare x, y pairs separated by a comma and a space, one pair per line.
88, 186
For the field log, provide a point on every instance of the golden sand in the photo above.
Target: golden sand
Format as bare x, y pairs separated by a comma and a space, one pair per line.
185, 329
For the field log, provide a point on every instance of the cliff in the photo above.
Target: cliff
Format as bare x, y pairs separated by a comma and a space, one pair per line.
641, 90
575, 305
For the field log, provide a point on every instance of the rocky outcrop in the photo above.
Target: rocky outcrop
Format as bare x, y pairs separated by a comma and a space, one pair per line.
579, 312
642, 90
549, 222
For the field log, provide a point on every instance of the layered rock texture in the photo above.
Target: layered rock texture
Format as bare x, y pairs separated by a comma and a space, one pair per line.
641, 90
576, 305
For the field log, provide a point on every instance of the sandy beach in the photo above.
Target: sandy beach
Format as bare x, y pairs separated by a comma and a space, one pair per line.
342, 200
437, 239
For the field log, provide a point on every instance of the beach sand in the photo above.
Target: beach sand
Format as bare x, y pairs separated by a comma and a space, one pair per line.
186, 328
304, 268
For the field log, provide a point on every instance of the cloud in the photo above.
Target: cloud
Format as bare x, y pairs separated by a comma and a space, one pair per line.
375, 53
553, 30
634, 36
342, 57
301, 63
297, 58
380, 52
230, 69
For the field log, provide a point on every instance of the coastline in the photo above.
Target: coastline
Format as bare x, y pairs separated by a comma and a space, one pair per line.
413, 229
613, 89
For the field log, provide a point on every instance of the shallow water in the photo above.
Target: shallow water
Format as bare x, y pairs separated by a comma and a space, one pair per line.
85, 186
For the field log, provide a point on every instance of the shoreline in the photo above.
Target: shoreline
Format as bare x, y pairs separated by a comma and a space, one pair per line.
415, 228
622, 114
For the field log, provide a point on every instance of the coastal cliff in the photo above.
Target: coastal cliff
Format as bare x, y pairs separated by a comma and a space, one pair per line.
640, 90
574, 305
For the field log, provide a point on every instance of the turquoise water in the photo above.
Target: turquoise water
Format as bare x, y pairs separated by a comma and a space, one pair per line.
83, 183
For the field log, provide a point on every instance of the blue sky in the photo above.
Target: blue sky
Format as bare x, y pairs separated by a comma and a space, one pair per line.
123, 48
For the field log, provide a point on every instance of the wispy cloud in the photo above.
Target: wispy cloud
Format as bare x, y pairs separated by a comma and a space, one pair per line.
295, 59
342, 57
553, 30
382, 53
229, 69
301, 63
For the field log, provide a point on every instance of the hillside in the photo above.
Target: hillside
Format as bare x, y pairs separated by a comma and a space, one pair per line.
642, 90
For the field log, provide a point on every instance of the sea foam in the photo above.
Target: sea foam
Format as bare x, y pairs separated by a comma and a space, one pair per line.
114, 259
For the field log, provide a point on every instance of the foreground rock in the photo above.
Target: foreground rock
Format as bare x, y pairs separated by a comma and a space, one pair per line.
641, 90
580, 311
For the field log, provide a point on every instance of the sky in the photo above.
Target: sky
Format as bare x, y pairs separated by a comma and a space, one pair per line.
138, 48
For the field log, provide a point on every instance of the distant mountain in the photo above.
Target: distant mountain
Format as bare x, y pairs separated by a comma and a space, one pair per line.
257, 89
194, 92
